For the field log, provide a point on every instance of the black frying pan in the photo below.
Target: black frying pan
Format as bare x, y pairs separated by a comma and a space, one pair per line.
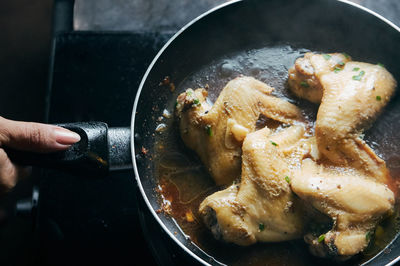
319, 25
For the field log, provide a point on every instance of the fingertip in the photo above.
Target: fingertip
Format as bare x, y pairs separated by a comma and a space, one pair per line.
66, 137
35, 137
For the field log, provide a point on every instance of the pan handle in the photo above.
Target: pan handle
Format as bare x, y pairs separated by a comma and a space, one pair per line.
100, 150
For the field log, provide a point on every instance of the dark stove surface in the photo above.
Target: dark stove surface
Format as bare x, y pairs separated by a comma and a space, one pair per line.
91, 220
96, 74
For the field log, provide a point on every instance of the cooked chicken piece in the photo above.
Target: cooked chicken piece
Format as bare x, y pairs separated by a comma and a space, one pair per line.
216, 132
355, 202
353, 94
349, 183
262, 208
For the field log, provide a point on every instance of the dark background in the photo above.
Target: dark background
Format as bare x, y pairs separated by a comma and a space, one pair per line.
24, 53
24, 61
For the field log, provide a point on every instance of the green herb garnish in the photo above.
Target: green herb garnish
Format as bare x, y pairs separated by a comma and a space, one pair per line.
341, 63
273, 143
209, 130
368, 236
261, 227
196, 101
337, 69
304, 84
359, 76
378, 98
321, 238
381, 65
327, 56
287, 179
356, 69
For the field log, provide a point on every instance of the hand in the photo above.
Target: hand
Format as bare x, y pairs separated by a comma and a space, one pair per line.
26, 136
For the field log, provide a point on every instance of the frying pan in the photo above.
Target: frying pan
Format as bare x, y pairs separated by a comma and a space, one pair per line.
318, 25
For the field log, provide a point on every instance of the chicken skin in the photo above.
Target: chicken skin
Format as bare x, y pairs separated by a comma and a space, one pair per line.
262, 208
216, 132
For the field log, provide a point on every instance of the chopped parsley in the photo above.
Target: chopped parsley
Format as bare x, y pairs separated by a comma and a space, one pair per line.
261, 227
381, 65
356, 69
359, 76
341, 63
368, 236
273, 143
209, 130
287, 179
321, 238
337, 69
327, 56
304, 84
196, 102
378, 98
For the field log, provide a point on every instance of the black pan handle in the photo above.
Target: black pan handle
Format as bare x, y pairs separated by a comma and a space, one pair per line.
100, 150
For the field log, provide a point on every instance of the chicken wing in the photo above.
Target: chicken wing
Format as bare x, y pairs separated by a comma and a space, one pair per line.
348, 180
216, 132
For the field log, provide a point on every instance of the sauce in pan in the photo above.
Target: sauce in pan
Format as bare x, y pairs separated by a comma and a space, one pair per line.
184, 181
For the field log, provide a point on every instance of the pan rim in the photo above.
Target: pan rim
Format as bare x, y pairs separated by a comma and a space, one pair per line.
140, 88
387, 21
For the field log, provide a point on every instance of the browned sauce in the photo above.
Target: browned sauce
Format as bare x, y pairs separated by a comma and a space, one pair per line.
184, 182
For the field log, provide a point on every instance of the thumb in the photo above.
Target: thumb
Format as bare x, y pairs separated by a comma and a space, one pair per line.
36, 137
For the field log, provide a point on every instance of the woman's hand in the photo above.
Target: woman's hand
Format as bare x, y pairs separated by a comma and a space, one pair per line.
27, 136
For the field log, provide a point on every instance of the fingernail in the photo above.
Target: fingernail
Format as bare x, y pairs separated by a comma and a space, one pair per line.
66, 137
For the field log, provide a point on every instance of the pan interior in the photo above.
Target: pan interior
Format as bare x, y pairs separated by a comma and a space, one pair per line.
260, 39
